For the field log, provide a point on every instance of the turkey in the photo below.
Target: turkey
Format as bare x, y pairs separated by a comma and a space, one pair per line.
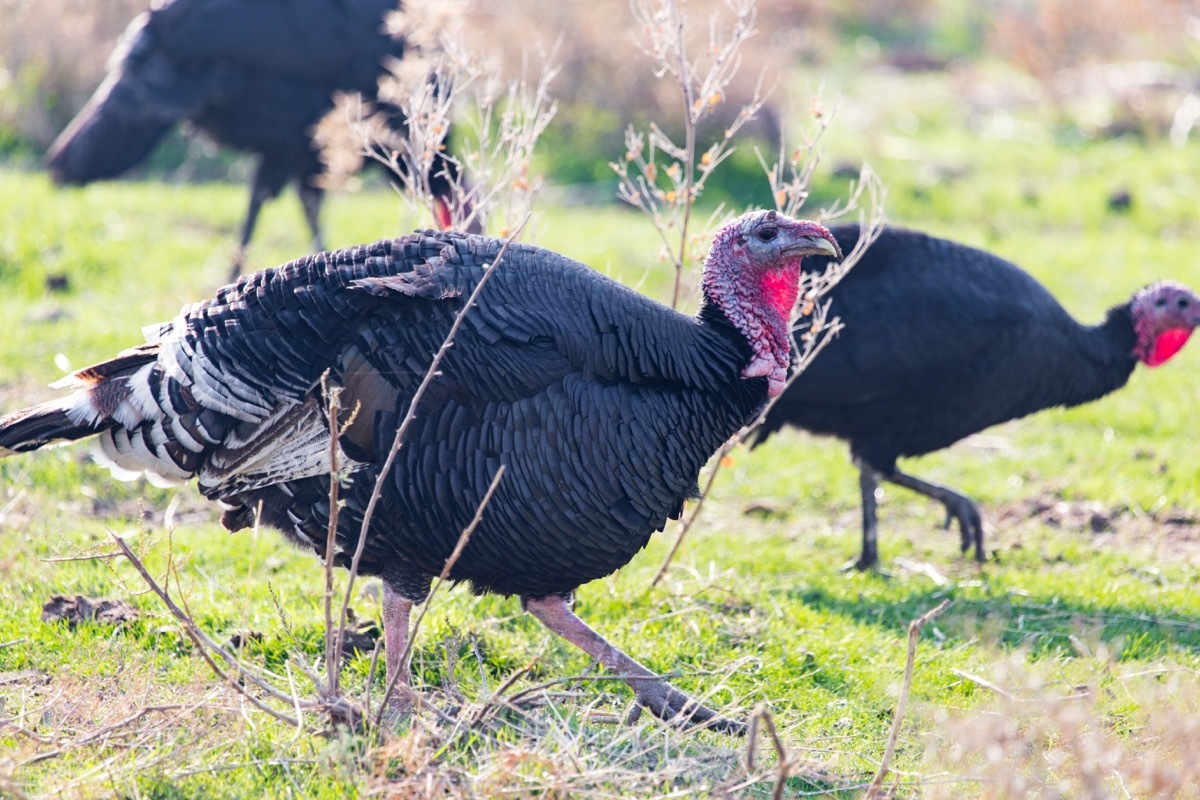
600, 404
253, 76
942, 341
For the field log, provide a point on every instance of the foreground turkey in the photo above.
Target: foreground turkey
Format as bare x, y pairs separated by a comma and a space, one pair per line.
255, 76
601, 405
942, 341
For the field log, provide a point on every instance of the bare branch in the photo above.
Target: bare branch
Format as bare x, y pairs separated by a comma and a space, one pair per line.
491, 174
449, 565
333, 639
667, 195
410, 415
914, 633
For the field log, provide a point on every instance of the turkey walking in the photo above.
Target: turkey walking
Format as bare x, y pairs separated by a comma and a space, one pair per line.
600, 404
255, 76
942, 341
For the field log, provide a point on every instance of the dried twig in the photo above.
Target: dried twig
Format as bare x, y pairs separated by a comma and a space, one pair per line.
398, 442
667, 196
207, 646
333, 639
449, 565
504, 123
914, 633
783, 765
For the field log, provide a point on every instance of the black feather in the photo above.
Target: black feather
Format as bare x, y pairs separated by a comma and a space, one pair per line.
941, 341
254, 76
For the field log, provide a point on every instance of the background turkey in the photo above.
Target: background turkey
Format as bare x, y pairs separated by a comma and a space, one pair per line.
253, 76
601, 405
942, 341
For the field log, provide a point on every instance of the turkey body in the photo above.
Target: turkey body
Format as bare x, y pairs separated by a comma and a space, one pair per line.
942, 341
253, 76
600, 404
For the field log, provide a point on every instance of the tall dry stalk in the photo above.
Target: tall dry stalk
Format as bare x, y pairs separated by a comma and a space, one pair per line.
667, 194
498, 121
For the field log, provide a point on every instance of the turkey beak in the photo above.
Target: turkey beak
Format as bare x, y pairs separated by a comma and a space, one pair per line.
814, 245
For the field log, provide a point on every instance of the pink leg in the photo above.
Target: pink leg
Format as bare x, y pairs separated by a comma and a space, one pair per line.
664, 701
396, 610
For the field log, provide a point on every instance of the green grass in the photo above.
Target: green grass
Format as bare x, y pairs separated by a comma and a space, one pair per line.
755, 609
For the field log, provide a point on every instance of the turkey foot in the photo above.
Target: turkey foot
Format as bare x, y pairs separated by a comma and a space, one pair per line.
663, 700
958, 506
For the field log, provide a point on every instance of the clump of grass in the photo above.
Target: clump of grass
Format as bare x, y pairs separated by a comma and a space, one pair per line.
1041, 739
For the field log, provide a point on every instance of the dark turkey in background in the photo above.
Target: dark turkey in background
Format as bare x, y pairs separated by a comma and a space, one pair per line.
254, 76
942, 341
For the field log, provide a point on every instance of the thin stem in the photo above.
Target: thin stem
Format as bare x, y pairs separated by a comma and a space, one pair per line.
914, 633
463, 538
332, 638
410, 415
689, 170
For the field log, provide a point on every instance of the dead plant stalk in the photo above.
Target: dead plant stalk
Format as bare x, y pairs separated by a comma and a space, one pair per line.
914, 634
410, 415
701, 91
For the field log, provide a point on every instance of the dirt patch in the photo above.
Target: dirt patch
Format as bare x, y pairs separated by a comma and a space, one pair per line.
79, 609
1085, 515
1171, 525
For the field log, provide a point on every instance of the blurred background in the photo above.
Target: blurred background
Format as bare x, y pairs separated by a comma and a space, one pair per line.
1078, 70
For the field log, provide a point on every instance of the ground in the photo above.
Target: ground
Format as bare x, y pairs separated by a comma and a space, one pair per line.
1067, 663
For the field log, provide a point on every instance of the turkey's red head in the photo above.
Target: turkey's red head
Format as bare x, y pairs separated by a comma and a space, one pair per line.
1164, 316
752, 274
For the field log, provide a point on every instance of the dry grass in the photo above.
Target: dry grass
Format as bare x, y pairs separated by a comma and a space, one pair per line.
52, 56
1042, 738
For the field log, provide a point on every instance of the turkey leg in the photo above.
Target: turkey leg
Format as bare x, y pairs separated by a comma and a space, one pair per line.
652, 692
958, 506
396, 611
310, 201
258, 196
868, 484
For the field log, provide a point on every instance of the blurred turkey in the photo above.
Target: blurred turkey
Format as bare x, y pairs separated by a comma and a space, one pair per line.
601, 405
255, 76
942, 341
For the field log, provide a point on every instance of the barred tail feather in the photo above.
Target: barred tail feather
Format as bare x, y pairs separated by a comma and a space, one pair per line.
51, 422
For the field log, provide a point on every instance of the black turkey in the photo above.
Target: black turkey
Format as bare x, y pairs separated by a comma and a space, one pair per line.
255, 76
601, 405
941, 341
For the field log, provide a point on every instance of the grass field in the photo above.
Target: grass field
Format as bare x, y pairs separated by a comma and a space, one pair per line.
1065, 667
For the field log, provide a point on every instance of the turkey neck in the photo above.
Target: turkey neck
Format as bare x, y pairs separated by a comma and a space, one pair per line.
1102, 360
757, 305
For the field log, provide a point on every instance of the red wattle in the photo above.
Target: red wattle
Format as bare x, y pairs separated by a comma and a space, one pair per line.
1167, 344
780, 288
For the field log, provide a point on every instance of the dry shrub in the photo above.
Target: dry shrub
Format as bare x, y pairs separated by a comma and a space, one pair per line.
52, 56
1132, 735
604, 82
1048, 37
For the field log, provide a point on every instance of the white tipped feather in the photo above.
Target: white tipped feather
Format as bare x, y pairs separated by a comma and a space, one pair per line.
79, 408
225, 392
106, 455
